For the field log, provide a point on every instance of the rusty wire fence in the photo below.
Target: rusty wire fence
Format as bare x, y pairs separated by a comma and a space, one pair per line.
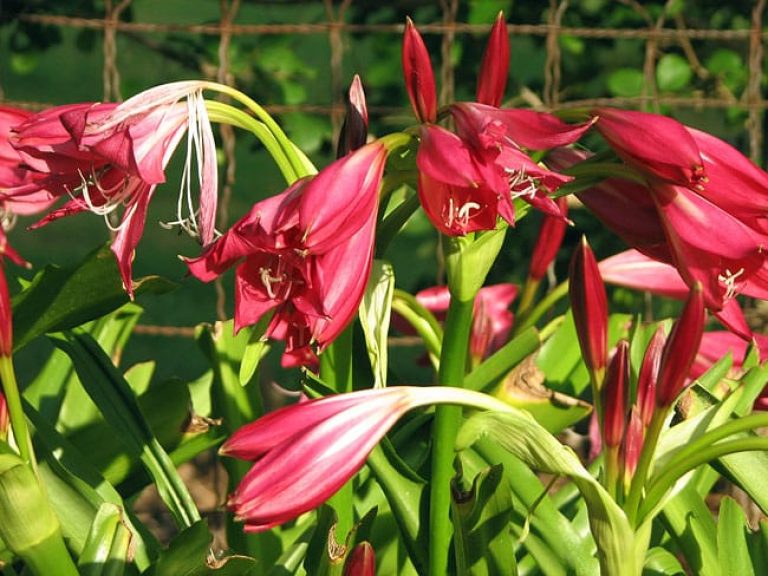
661, 30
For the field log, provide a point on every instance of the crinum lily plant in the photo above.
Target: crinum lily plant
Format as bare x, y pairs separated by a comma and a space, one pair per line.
472, 470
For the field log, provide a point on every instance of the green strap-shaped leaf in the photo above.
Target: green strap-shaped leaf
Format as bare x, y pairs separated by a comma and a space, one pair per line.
481, 516
732, 548
62, 298
521, 435
117, 402
108, 546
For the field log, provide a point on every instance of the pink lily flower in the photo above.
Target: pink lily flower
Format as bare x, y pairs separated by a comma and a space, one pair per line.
665, 222
718, 343
653, 144
632, 269
305, 452
589, 305
110, 157
492, 318
305, 253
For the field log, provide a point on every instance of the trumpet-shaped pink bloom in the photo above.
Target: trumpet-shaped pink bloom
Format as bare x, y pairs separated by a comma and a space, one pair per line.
590, 310
653, 144
305, 254
305, 452
110, 157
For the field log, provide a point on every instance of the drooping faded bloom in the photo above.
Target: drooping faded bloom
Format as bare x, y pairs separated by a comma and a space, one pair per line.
589, 305
354, 131
305, 452
109, 158
304, 254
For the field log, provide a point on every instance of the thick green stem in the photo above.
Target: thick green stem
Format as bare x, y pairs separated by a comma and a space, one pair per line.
16, 411
644, 465
453, 358
336, 372
526, 298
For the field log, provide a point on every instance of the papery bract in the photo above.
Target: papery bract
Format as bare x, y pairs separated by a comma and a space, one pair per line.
418, 74
354, 131
305, 253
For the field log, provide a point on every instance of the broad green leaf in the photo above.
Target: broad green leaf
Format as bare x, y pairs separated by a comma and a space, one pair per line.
77, 490
690, 523
189, 555
117, 402
62, 298
559, 538
732, 548
374, 312
661, 562
255, 350
521, 435
108, 545
481, 516
421, 320
406, 497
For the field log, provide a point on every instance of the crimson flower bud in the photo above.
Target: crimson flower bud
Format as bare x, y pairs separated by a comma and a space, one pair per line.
494, 71
681, 348
649, 374
362, 561
590, 309
615, 396
634, 438
550, 238
418, 74
6, 325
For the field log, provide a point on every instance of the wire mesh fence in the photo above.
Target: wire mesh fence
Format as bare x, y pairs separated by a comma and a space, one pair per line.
226, 23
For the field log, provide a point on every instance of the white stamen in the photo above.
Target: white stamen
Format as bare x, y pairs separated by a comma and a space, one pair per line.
520, 178
729, 281
458, 214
